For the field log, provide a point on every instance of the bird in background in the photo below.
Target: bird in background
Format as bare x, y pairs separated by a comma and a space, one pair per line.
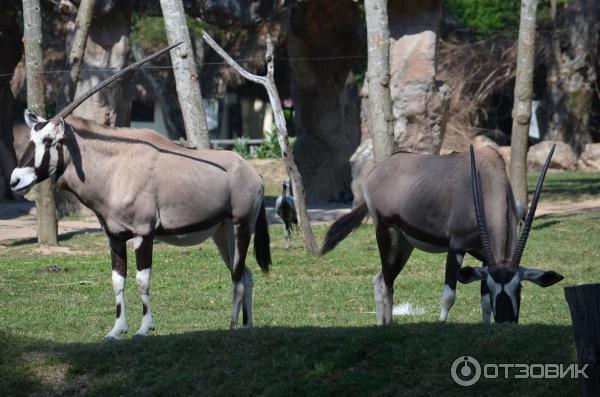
285, 207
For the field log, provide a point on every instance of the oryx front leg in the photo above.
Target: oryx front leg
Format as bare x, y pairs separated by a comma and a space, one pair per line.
240, 278
394, 251
453, 263
143, 258
486, 305
118, 252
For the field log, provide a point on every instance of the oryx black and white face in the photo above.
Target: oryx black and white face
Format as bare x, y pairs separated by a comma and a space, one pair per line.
502, 279
504, 287
42, 156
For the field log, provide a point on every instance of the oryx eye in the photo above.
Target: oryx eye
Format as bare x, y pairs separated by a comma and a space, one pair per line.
47, 141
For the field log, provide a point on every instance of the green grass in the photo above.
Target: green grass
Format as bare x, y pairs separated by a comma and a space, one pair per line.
314, 323
567, 185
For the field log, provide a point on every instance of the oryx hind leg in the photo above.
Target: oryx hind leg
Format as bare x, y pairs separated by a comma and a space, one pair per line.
394, 251
118, 253
232, 241
453, 263
240, 276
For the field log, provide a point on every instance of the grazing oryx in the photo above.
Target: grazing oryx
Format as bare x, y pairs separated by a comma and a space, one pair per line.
436, 204
286, 209
142, 186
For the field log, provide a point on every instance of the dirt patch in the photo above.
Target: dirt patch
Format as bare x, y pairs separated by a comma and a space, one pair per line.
272, 172
49, 250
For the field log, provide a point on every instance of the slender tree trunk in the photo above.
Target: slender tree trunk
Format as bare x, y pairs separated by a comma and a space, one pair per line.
77, 51
66, 203
32, 37
187, 81
378, 78
287, 155
523, 94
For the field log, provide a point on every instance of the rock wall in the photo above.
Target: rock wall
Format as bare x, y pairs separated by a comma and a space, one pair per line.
420, 104
325, 93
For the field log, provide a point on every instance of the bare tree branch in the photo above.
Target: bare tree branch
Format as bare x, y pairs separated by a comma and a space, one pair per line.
268, 81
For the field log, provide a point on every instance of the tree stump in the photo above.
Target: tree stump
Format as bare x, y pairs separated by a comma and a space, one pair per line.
584, 304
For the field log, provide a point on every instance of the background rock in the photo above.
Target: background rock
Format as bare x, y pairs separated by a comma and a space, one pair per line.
564, 157
590, 158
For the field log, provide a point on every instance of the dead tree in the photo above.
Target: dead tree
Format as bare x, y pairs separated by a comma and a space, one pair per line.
268, 81
378, 79
187, 81
522, 103
584, 301
32, 38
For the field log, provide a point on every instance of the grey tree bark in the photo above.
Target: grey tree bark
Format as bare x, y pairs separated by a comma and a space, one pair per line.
522, 102
573, 74
77, 50
268, 82
32, 38
106, 50
187, 81
378, 79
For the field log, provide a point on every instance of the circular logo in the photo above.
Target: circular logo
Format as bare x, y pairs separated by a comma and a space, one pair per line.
465, 371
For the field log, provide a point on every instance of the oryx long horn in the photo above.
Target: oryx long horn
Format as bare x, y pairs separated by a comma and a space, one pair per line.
79, 100
516, 259
480, 213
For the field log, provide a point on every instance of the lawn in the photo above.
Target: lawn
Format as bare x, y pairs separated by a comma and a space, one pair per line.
314, 323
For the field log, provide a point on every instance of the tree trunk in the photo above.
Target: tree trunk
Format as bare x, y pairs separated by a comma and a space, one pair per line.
378, 78
584, 301
573, 74
77, 49
187, 81
106, 50
268, 82
66, 203
522, 100
32, 37
10, 42
324, 92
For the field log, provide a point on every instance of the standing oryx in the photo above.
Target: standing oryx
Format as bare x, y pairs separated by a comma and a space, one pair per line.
443, 204
142, 186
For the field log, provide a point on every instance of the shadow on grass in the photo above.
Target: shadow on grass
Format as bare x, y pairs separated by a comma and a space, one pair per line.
568, 186
406, 359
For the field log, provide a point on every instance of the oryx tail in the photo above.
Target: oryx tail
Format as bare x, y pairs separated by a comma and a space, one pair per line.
262, 250
345, 225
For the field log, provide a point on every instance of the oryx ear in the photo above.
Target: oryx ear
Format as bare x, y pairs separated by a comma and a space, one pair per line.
31, 118
540, 277
60, 129
469, 274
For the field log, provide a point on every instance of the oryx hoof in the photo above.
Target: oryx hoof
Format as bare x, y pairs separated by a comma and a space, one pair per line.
110, 338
